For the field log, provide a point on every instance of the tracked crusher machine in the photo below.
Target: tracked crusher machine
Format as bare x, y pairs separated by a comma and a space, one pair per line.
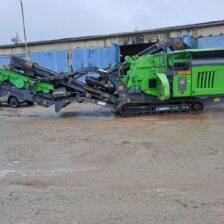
156, 80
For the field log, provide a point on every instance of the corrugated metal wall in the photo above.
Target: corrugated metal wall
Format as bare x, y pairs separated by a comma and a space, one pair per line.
187, 39
58, 60
53, 60
211, 42
4, 60
98, 57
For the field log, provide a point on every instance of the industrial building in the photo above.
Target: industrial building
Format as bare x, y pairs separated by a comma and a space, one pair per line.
104, 50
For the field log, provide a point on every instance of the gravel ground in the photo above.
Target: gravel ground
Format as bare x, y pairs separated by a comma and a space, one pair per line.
85, 165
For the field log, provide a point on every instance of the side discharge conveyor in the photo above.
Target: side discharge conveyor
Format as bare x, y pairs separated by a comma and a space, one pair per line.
156, 80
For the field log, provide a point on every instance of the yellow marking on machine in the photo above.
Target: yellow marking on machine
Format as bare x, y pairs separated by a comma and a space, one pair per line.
29, 63
183, 72
217, 99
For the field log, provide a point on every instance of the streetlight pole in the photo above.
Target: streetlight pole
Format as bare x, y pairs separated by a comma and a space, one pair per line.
24, 28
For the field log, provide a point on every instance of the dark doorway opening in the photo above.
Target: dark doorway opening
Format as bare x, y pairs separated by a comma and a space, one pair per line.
133, 49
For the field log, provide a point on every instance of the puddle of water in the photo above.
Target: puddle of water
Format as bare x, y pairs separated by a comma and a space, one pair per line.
57, 172
49, 173
4, 173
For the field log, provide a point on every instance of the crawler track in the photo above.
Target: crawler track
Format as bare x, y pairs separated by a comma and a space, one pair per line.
158, 107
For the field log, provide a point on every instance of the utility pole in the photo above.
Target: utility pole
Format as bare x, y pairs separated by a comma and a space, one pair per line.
24, 29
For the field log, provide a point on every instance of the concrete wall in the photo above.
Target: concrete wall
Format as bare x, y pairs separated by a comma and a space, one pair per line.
120, 39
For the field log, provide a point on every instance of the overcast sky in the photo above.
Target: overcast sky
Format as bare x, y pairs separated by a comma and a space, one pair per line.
54, 19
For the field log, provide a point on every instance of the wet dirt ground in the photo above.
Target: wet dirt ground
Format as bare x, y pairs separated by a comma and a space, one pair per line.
85, 165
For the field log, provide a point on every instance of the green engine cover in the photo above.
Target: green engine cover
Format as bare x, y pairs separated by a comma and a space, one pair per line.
208, 80
192, 73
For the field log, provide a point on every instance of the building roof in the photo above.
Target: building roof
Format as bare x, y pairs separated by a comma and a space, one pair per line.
158, 30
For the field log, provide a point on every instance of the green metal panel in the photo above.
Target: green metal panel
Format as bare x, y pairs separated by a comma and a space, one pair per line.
164, 86
207, 80
15, 79
23, 82
43, 87
144, 69
182, 86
